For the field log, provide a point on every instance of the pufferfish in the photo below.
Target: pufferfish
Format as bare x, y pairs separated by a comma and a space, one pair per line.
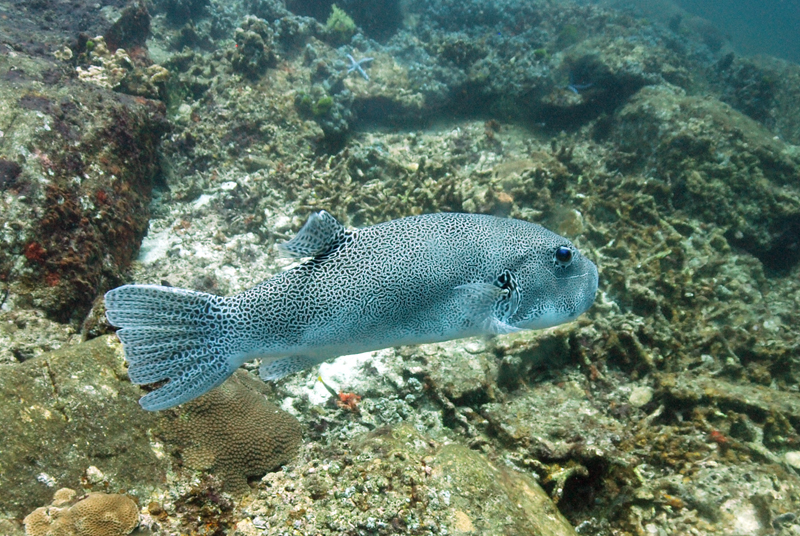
414, 280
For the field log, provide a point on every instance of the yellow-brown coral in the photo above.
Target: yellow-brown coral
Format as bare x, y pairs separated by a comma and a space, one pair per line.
97, 514
234, 433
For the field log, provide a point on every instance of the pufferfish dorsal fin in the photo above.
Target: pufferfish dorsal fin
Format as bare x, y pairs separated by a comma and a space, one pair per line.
319, 233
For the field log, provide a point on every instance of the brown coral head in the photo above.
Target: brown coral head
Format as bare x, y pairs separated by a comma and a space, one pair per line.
234, 433
102, 514
96, 514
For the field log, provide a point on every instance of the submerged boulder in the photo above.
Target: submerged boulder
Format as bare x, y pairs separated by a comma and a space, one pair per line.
396, 480
719, 165
77, 166
70, 417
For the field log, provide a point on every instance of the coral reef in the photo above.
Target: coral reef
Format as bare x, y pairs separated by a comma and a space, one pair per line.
253, 48
671, 407
96, 514
117, 71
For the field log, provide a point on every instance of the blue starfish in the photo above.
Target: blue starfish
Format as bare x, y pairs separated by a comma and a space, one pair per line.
357, 66
576, 88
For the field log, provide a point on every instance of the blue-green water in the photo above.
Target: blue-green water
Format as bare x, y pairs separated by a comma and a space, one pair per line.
754, 27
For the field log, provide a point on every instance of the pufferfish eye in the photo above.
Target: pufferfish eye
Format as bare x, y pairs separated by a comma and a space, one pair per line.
563, 255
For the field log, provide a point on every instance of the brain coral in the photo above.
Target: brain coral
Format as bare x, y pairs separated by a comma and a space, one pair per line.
97, 514
234, 433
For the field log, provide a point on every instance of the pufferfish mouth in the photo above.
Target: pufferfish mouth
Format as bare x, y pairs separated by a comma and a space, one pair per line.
589, 292
594, 280
578, 302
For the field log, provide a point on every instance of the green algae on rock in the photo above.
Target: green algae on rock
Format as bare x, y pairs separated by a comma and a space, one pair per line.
67, 411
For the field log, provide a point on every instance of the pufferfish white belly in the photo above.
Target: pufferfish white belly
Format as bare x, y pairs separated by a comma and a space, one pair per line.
415, 280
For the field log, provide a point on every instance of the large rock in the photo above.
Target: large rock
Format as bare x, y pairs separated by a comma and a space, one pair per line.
41, 27
71, 419
490, 499
718, 165
398, 481
77, 165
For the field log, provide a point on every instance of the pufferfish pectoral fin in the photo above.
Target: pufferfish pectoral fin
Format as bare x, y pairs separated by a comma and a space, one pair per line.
478, 303
319, 233
481, 302
498, 327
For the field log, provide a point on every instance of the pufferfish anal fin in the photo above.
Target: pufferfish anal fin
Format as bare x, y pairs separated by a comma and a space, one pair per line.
478, 302
278, 368
319, 233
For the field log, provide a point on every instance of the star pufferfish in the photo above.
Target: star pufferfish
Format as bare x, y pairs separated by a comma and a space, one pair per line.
414, 280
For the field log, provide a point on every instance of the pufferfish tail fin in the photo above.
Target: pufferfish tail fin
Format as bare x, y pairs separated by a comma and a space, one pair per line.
172, 334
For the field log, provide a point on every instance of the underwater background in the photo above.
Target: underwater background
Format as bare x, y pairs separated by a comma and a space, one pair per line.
177, 141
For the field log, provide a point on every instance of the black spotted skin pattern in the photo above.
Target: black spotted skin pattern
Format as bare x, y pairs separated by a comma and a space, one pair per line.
397, 283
